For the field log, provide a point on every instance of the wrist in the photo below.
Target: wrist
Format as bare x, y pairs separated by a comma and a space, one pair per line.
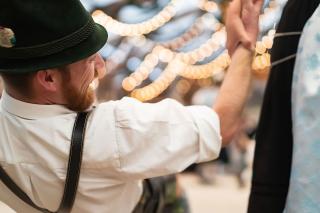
248, 47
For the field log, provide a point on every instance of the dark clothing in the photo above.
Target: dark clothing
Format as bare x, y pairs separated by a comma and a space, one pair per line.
159, 196
272, 160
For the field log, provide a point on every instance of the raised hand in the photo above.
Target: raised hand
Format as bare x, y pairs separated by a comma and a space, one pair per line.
250, 17
242, 20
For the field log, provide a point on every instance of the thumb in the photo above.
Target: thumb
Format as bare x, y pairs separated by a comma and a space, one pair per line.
242, 34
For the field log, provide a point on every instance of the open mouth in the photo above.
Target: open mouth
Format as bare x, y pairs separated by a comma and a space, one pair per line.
94, 84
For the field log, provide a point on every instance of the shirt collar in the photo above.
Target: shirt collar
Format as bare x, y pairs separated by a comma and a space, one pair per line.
30, 111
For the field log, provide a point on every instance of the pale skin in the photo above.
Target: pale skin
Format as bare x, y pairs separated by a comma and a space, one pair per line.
241, 20
242, 28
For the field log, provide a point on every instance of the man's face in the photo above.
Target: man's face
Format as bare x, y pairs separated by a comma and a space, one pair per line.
78, 82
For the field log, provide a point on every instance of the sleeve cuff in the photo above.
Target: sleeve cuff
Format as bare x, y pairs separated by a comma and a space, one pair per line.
208, 124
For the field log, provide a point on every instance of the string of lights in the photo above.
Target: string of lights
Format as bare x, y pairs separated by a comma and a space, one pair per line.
124, 29
180, 67
209, 6
183, 63
160, 53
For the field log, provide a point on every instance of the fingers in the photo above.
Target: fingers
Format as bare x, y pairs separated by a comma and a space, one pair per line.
250, 17
242, 21
235, 29
231, 46
236, 32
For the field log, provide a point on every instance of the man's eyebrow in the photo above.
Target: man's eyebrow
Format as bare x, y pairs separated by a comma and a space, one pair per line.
92, 57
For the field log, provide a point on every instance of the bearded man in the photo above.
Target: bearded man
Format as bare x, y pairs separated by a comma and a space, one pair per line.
49, 63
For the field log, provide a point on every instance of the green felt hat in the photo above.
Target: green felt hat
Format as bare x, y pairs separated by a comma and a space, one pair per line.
42, 34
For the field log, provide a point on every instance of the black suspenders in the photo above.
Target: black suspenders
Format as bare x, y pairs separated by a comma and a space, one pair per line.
73, 172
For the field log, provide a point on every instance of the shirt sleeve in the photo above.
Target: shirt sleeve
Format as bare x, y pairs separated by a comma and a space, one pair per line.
165, 137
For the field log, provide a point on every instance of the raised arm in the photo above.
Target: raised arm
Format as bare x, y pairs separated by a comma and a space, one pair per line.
234, 90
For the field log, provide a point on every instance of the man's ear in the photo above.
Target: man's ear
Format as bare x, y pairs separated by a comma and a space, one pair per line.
48, 79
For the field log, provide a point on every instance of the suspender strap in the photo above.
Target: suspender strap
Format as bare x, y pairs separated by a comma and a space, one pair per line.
17, 191
73, 172
74, 164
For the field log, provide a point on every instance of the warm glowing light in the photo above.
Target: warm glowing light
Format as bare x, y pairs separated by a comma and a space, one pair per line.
267, 41
166, 55
260, 48
145, 27
209, 6
129, 83
183, 63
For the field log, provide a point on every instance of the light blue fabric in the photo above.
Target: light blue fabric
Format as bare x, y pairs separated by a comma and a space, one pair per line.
304, 190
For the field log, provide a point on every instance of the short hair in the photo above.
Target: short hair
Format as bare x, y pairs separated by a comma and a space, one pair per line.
19, 81
22, 82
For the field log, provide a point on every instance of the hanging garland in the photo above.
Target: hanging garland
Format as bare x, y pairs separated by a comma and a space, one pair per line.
183, 63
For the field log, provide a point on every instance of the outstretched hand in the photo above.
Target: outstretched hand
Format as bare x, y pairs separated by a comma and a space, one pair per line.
242, 23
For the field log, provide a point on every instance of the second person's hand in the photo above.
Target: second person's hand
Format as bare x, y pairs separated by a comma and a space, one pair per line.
242, 19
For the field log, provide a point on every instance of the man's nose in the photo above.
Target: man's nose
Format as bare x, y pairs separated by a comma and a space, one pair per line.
100, 67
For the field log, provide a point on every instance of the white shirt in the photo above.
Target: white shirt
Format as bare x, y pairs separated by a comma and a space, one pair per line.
126, 141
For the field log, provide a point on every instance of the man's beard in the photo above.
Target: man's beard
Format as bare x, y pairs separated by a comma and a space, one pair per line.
77, 101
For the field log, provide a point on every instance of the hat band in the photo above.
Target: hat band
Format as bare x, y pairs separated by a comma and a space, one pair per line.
50, 47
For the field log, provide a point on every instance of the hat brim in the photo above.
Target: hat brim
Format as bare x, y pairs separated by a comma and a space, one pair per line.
86, 48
